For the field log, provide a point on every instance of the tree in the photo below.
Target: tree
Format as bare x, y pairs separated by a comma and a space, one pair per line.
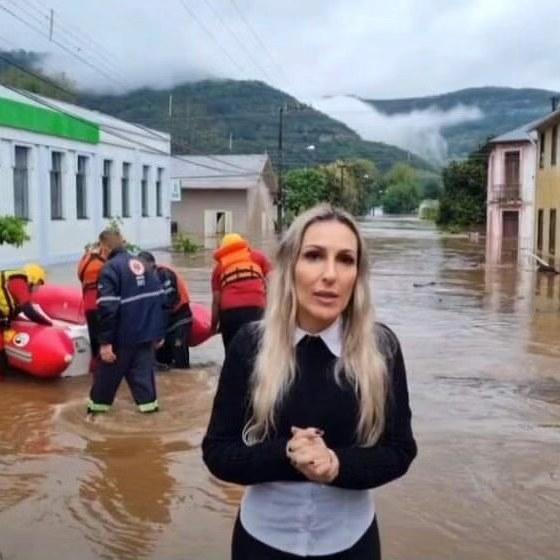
463, 202
13, 231
304, 189
402, 173
431, 189
401, 198
14, 77
368, 184
401, 190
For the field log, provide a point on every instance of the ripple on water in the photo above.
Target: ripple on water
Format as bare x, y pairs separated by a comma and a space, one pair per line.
184, 399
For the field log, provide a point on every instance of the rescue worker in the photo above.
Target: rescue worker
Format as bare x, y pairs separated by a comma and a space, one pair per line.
16, 287
175, 350
130, 311
89, 271
238, 286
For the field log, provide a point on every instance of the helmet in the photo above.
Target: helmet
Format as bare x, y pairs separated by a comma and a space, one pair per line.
35, 274
230, 239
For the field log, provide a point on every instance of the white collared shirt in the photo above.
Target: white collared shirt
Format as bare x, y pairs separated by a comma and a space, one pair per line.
307, 518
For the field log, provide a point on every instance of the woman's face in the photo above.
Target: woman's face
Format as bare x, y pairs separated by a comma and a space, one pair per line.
325, 274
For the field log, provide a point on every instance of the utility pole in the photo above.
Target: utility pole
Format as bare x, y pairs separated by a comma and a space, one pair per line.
342, 167
280, 193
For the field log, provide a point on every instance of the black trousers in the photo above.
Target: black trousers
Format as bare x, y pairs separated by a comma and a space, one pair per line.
175, 349
246, 547
93, 327
231, 320
136, 365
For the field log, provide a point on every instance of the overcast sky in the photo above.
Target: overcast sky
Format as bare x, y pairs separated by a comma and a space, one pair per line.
310, 48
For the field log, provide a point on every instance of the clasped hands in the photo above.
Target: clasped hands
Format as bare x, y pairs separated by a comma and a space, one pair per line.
309, 454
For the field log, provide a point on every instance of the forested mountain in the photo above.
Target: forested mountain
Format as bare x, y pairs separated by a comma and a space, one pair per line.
228, 116
503, 109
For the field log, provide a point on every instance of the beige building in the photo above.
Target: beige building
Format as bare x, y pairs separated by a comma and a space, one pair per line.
214, 195
547, 203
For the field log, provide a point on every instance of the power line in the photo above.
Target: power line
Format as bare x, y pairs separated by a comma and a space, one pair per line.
62, 46
148, 147
238, 41
211, 35
258, 39
80, 37
48, 17
109, 128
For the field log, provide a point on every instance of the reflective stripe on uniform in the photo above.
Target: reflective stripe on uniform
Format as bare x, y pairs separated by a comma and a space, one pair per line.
148, 407
98, 407
108, 298
157, 293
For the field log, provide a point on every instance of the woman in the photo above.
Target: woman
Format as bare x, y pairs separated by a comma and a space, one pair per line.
312, 406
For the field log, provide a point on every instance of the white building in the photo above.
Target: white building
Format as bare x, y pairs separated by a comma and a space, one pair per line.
512, 168
68, 170
220, 194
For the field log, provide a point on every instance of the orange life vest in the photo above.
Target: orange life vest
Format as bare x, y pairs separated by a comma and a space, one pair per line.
89, 270
182, 287
237, 264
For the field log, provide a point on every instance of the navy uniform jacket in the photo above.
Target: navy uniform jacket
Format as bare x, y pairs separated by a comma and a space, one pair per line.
131, 302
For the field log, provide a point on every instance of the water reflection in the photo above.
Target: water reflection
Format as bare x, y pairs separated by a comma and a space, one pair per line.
481, 345
126, 497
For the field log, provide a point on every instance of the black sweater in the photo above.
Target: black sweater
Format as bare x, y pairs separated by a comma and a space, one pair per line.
314, 400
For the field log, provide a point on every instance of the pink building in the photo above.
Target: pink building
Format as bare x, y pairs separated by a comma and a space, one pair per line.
512, 167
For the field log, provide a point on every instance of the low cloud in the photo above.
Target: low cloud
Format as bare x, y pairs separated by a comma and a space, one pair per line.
418, 131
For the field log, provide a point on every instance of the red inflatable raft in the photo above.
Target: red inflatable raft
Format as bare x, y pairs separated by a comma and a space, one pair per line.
39, 350
65, 303
63, 350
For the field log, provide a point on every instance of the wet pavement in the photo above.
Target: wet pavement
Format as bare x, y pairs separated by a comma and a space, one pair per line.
482, 348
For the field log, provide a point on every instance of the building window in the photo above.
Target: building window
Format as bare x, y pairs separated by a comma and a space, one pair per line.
554, 145
159, 201
21, 183
145, 175
81, 188
541, 152
552, 232
56, 186
125, 192
540, 220
106, 187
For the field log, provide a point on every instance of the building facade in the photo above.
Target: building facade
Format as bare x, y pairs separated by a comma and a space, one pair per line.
68, 171
221, 194
547, 205
511, 196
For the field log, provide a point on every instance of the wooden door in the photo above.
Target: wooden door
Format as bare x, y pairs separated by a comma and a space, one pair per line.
512, 163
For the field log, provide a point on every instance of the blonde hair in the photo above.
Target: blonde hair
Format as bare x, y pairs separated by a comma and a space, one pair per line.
361, 363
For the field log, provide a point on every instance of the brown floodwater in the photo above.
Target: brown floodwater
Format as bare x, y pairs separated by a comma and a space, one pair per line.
482, 348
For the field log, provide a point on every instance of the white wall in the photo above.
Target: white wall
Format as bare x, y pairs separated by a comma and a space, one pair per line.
55, 241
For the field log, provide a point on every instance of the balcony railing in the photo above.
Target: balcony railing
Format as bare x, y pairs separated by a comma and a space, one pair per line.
505, 193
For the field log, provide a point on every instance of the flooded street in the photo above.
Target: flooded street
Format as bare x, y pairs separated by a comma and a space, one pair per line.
482, 348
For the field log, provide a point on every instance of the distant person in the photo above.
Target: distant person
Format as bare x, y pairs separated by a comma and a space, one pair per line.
89, 272
130, 325
175, 350
16, 287
312, 408
238, 286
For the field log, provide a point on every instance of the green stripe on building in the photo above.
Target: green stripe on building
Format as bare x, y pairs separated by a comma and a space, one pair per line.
14, 114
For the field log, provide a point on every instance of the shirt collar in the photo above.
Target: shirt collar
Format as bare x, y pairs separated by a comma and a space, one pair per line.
331, 336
